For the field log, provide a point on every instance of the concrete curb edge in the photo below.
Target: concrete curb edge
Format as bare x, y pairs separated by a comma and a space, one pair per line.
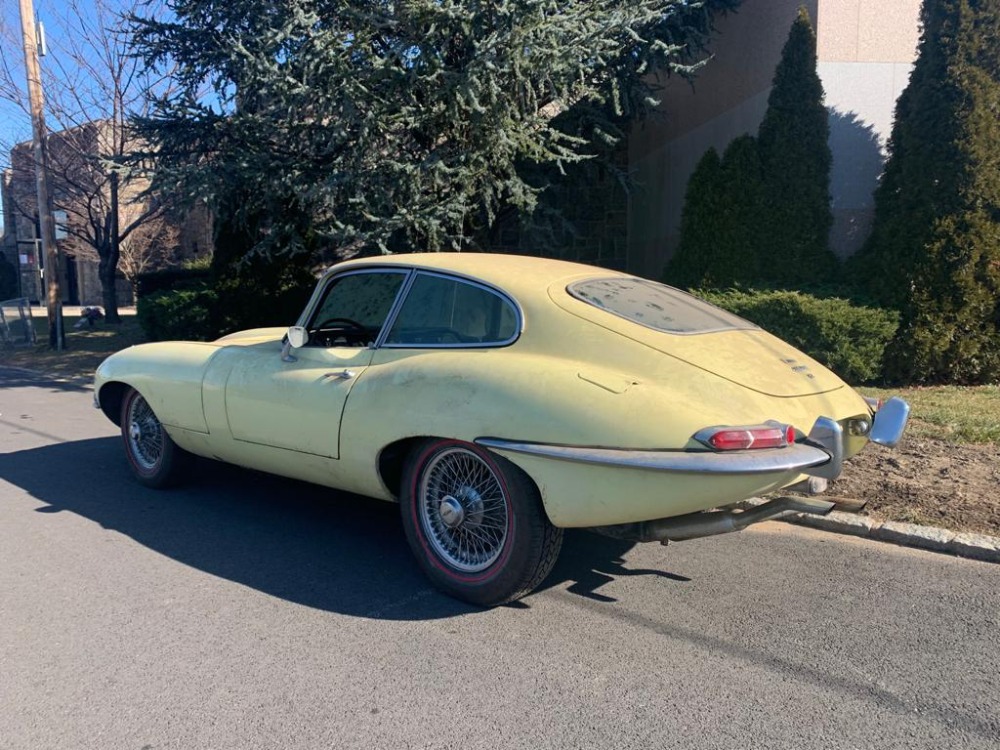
973, 546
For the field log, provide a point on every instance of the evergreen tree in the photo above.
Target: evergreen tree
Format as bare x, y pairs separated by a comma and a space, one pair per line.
256, 290
934, 252
740, 244
762, 216
796, 158
720, 243
398, 125
689, 265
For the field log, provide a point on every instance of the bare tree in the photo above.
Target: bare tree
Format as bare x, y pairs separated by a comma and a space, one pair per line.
151, 246
92, 86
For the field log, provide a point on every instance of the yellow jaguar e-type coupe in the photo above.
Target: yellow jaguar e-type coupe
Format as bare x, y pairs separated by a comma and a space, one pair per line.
500, 399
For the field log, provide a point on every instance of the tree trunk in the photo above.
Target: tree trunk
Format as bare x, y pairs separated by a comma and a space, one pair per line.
107, 273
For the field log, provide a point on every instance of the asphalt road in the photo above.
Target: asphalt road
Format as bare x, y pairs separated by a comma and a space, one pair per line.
243, 611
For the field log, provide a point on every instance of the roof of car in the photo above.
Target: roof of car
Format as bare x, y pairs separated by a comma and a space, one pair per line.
512, 272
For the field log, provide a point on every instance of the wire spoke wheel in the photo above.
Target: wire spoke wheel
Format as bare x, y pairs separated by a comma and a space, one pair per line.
475, 522
153, 457
463, 509
144, 434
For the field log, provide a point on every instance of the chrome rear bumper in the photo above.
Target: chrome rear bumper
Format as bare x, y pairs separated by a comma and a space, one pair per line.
890, 422
795, 458
821, 454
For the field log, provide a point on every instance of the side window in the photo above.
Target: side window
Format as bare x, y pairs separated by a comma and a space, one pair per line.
442, 311
354, 308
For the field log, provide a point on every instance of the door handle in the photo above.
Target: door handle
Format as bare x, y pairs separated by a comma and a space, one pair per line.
342, 375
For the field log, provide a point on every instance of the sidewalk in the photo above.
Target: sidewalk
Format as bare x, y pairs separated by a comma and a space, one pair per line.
73, 311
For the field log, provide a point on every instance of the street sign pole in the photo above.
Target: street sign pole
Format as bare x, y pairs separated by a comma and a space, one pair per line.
48, 230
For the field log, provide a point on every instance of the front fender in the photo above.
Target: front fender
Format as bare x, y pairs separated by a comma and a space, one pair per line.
168, 375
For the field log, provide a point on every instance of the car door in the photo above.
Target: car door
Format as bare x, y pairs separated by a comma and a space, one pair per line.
296, 402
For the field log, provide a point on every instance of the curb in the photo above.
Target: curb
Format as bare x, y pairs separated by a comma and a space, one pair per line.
972, 546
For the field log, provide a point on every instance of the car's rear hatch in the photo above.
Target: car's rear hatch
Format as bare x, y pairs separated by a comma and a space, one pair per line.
704, 336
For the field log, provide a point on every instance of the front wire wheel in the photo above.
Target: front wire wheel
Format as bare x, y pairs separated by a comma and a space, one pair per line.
475, 522
154, 458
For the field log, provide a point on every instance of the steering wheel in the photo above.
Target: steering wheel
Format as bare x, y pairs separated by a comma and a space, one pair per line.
329, 323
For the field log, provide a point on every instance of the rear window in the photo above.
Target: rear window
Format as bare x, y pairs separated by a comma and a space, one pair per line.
655, 306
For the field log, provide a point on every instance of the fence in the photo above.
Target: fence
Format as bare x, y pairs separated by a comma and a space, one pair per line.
16, 328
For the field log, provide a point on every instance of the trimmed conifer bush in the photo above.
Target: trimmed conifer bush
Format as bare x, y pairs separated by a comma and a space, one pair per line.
761, 215
177, 314
720, 227
796, 158
934, 252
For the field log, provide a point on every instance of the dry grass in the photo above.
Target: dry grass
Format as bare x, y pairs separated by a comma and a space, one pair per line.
85, 348
952, 413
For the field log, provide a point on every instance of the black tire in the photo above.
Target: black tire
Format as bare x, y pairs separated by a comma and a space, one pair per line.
154, 458
475, 523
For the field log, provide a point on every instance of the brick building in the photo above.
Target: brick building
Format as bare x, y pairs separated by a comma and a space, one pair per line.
81, 188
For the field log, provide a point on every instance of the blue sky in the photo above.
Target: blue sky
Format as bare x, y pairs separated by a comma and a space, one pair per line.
71, 71
14, 122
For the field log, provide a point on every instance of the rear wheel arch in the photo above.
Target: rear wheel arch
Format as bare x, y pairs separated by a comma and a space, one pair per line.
392, 460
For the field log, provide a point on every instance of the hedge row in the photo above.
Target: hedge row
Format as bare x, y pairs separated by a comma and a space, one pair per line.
849, 339
178, 315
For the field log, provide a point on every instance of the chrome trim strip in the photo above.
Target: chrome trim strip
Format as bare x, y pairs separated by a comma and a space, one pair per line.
795, 458
890, 422
397, 305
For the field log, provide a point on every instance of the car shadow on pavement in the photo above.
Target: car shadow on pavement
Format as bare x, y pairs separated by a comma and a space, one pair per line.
306, 544
15, 377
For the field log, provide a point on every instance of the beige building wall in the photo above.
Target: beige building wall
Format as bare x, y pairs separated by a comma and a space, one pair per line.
865, 50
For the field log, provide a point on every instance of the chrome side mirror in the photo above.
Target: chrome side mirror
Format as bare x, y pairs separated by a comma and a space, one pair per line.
296, 338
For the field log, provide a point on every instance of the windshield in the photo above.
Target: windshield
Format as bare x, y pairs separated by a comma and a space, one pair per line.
656, 306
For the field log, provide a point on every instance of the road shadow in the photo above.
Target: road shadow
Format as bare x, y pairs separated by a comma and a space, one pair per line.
306, 544
15, 377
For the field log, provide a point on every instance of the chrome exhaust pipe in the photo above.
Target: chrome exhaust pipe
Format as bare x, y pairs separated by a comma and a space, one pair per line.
711, 523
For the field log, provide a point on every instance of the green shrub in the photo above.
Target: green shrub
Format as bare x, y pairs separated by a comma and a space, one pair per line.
170, 279
849, 339
255, 290
760, 215
793, 143
178, 315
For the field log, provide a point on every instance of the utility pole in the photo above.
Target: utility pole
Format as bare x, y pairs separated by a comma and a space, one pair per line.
46, 221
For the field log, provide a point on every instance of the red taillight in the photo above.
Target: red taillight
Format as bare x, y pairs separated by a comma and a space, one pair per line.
748, 438
873, 403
